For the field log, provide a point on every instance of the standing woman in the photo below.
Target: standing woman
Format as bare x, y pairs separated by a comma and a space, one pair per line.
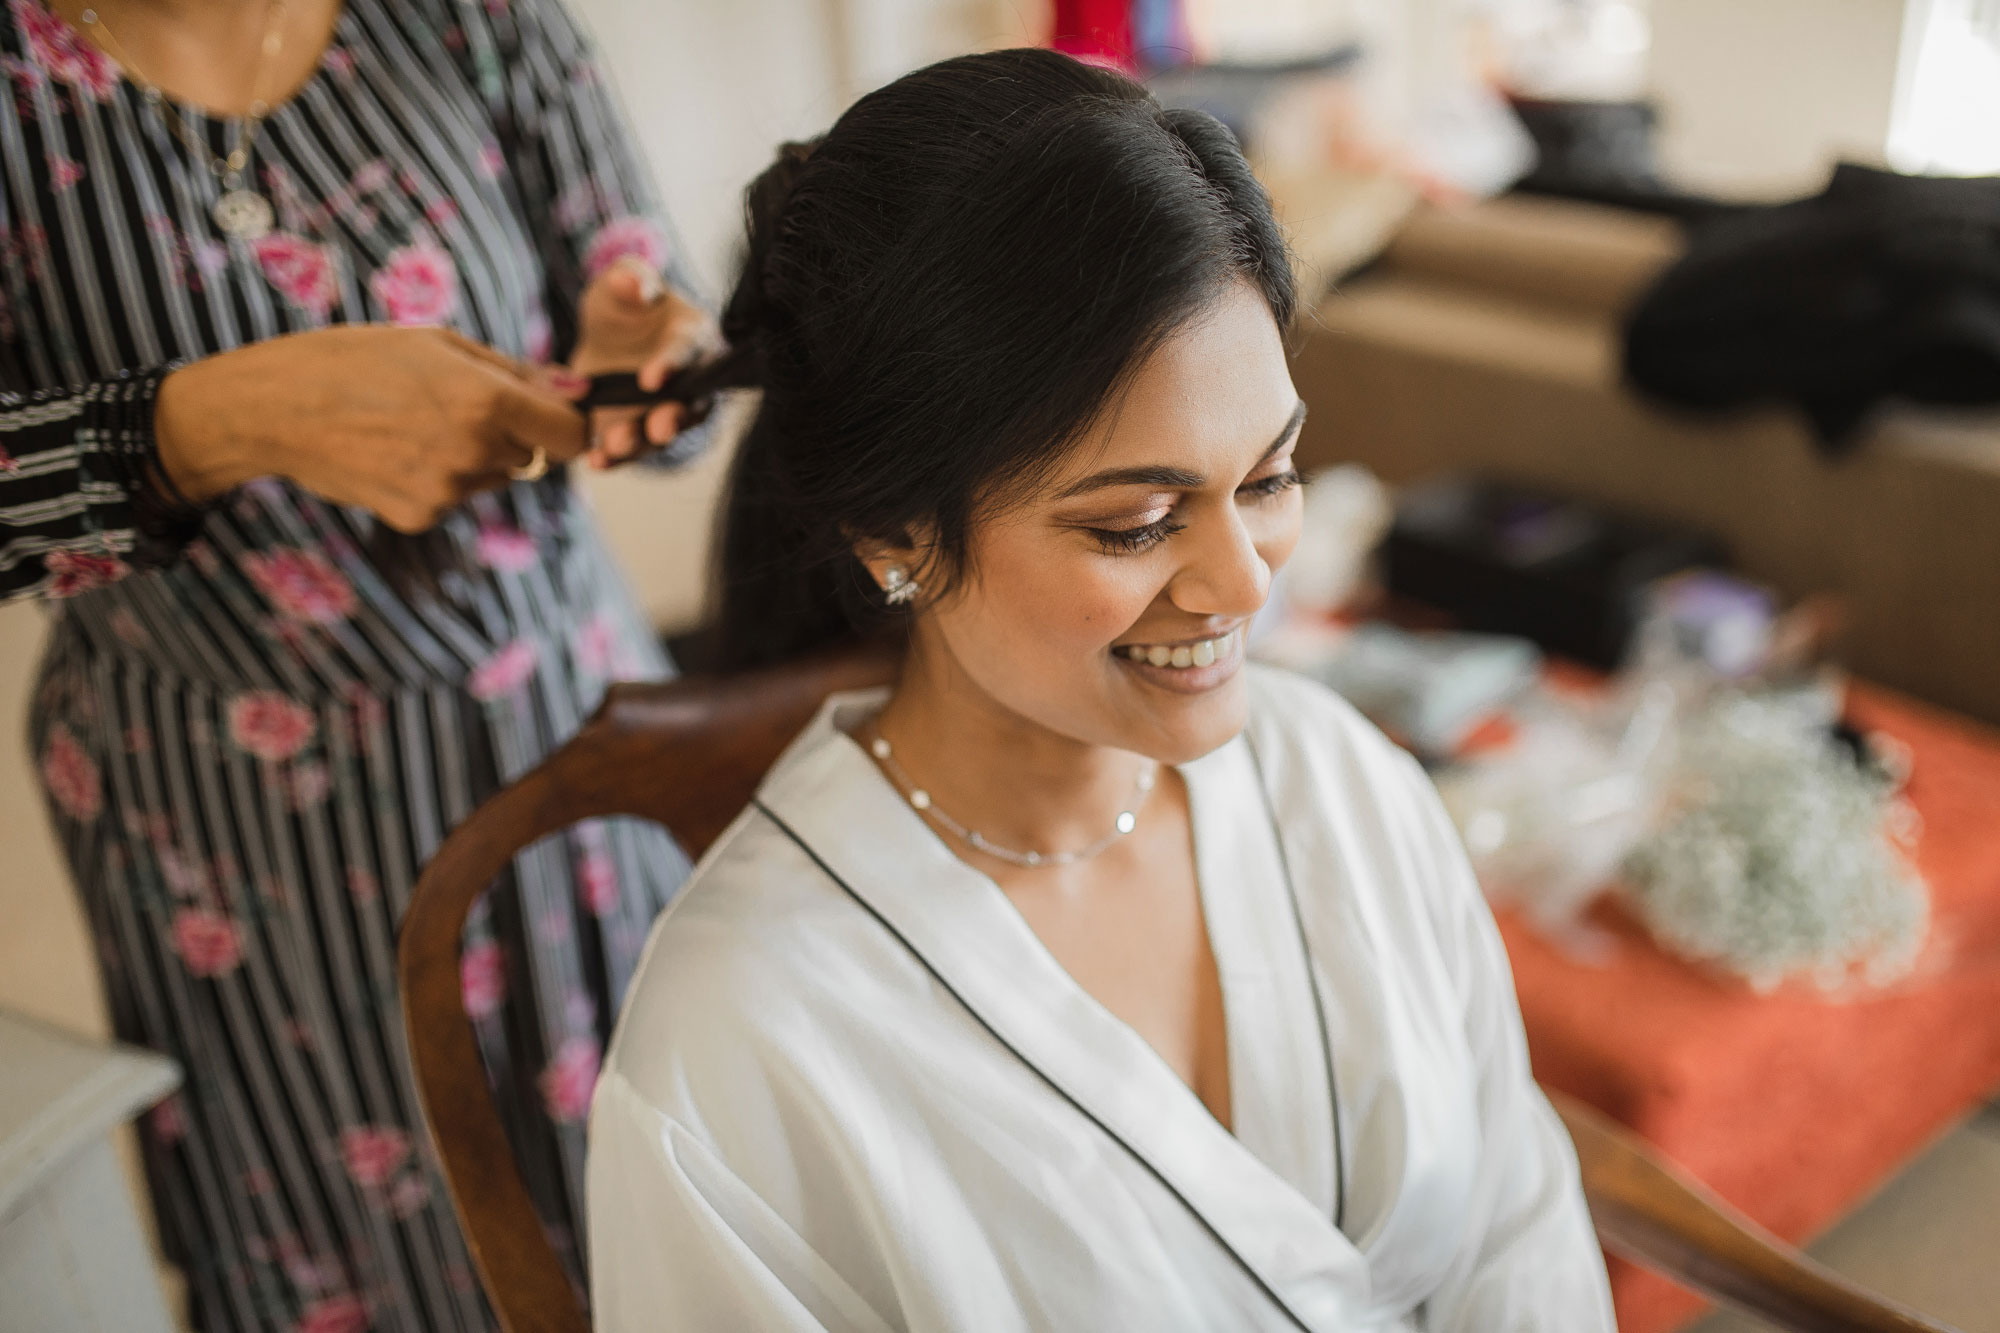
275, 276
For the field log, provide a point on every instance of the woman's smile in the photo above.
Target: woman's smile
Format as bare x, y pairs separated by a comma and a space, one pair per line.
1190, 666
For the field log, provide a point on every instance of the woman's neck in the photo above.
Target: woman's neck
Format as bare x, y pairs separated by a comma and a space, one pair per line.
209, 53
1021, 785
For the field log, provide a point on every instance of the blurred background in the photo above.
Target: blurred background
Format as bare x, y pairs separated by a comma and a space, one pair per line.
1613, 378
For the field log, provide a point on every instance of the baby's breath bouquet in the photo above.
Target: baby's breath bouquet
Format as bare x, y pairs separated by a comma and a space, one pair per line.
1780, 852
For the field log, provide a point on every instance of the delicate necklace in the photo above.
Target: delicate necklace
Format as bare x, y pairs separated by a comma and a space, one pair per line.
240, 211
920, 801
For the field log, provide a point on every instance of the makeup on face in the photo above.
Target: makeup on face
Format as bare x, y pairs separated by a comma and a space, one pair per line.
1110, 607
1174, 659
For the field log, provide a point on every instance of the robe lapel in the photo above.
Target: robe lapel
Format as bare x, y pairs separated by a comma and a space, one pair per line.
830, 797
1281, 1097
1405, 1089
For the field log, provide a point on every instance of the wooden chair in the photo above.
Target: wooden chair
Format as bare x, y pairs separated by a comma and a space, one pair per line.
689, 754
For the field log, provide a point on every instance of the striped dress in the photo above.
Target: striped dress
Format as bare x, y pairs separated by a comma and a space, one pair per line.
251, 737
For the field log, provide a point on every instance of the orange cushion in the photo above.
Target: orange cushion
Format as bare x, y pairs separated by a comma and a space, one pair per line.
1793, 1106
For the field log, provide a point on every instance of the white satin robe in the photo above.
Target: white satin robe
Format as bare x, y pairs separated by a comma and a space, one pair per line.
850, 1089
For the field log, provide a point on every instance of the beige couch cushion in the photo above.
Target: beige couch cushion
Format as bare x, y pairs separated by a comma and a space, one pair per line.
1488, 339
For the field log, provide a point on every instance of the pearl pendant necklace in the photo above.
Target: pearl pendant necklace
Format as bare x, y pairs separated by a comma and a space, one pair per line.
920, 801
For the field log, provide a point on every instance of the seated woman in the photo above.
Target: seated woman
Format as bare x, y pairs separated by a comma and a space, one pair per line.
1089, 978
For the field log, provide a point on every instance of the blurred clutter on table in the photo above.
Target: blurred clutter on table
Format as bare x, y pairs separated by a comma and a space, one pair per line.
1607, 709
1738, 885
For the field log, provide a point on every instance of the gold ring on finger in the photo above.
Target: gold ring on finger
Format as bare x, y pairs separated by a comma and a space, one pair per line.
534, 469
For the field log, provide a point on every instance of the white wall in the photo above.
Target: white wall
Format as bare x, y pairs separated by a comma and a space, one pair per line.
713, 88
1761, 97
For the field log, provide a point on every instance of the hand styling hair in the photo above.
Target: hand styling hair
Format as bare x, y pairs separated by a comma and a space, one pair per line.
943, 293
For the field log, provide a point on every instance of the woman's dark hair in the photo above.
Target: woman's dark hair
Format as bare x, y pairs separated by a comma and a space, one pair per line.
943, 293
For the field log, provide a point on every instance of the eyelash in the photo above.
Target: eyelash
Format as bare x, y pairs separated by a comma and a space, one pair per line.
1131, 541
1276, 484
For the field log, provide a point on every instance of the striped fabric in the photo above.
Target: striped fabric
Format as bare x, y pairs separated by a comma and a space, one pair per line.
250, 736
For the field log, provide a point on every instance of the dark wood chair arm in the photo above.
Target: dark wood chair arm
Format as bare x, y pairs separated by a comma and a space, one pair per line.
1653, 1213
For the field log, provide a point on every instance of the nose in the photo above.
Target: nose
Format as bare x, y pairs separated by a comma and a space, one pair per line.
1225, 575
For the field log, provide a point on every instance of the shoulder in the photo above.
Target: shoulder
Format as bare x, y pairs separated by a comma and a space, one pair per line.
541, 27
731, 932
760, 957
481, 35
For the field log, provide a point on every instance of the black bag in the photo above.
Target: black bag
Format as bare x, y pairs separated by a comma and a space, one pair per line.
1883, 286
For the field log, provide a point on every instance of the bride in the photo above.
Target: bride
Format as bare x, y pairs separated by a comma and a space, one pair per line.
1090, 978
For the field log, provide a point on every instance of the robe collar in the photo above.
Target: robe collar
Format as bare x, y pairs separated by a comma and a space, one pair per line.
829, 797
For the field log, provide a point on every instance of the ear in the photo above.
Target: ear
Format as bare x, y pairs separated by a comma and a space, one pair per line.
911, 555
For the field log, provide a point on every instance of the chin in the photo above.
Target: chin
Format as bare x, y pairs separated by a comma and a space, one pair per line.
1180, 730
1180, 713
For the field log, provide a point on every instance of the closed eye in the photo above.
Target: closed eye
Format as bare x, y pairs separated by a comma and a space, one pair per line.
1130, 541
1276, 484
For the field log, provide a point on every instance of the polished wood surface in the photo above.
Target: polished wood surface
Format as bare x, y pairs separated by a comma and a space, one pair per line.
689, 754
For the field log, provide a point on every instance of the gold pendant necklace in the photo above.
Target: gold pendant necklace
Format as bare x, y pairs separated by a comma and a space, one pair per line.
240, 211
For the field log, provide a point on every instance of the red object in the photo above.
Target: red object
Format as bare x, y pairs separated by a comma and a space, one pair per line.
1099, 31
1792, 1106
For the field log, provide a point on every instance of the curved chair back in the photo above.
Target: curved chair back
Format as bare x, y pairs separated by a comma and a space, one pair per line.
688, 754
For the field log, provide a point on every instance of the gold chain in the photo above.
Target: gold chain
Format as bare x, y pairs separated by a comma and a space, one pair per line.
230, 169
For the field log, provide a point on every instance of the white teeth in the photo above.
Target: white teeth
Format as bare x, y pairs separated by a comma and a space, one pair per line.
1201, 654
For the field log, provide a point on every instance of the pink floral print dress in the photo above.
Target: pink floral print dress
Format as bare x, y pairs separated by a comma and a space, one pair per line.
250, 735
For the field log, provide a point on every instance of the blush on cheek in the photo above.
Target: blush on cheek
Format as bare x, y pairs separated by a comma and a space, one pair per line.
1034, 626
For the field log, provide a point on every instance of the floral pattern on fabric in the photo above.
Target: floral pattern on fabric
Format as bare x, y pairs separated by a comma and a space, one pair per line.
301, 271
372, 1153
482, 969
74, 572
269, 725
70, 777
208, 942
504, 672
61, 51
418, 285
597, 882
570, 1078
251, 741
301, 584
337, 1314
507, 549
638, 238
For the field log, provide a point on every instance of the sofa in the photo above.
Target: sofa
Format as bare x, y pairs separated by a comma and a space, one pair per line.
1487, 338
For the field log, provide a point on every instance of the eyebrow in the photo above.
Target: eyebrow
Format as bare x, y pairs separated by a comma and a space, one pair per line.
1173, 478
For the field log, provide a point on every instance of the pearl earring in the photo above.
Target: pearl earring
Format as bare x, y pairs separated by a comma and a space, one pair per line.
897, 585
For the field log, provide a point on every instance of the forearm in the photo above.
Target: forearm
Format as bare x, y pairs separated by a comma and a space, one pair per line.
201, 419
